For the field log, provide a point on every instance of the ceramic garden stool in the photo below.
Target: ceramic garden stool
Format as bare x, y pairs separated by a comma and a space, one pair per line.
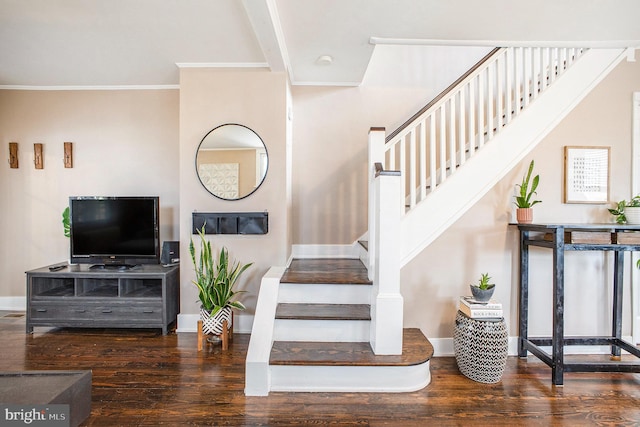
481, 347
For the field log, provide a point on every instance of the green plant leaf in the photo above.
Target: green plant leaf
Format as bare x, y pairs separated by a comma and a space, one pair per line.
66, 222
215, 276
524, 199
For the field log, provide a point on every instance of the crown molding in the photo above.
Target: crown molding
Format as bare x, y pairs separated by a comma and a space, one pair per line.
222, 65
101, 87
601, 44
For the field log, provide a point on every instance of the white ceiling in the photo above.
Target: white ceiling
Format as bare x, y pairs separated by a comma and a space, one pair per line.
145, 42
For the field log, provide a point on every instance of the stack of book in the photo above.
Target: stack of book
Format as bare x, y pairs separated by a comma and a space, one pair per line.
480, 310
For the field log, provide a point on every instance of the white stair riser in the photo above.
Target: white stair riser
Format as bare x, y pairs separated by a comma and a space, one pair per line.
379, 379
324, 293
321, 330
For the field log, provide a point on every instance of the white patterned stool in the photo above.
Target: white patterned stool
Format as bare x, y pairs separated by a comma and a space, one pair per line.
481, 347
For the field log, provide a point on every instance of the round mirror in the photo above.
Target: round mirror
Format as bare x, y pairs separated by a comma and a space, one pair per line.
231, 161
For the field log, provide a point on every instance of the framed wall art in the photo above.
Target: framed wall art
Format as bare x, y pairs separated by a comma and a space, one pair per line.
586, 174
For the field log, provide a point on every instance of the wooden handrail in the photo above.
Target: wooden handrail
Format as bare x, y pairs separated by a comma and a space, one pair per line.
381, 172
441, 95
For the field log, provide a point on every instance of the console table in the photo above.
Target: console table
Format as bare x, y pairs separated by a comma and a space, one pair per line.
575, 237
145, 296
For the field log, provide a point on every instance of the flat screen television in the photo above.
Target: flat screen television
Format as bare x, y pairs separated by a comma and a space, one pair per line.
116, 232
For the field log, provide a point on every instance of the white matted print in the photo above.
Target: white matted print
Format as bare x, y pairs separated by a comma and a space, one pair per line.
586, 174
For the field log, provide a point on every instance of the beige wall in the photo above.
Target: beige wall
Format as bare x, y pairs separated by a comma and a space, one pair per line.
144, 142
330, 131
258, 100
124, 143
330, 203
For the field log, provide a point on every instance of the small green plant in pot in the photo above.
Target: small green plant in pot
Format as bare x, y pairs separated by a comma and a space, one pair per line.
216, 280
66, 223
627, 212
483, 290
524, 200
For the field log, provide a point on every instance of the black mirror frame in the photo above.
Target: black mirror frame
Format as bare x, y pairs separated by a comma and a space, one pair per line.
265, 172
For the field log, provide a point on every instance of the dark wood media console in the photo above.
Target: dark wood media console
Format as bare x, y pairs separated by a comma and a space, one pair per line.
145, 296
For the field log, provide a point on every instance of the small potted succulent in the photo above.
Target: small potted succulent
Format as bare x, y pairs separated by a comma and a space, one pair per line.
524, 202
483, 290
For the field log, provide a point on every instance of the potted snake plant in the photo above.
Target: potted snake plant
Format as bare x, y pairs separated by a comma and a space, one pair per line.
524, 202
216, 280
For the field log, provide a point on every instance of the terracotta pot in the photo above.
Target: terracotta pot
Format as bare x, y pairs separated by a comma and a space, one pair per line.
524, 215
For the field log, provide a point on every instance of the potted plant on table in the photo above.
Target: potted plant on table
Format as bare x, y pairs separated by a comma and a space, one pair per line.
627, 212
524, 212
483, 290
215, 281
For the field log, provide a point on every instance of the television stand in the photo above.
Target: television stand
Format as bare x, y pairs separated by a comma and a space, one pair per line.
79, 296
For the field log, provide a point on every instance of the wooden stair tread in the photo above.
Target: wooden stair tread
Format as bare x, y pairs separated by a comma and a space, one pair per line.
416, 349
323, 311
326, 270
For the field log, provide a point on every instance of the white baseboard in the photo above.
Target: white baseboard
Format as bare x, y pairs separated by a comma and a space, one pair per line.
189, 323
13, 303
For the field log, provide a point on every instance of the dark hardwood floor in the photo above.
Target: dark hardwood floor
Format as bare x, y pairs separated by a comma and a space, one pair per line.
141, 378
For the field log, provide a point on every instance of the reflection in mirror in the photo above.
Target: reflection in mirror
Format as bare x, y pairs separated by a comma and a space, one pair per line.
231, 161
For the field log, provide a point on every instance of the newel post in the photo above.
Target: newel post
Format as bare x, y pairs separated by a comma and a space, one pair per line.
387, 307
376, 155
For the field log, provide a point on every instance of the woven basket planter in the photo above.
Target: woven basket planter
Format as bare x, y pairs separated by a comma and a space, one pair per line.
481, 348
213, 325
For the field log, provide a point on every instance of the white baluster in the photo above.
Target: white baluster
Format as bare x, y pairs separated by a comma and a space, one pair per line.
423, 159
517, 84
499, 93
536, 72
491, 99
481, 99
403, 166
508, 82
412, 168
472, 117
432, 151
562, 60
452, 135
552, 64
442, 144
544, 71
461, 125
526, 84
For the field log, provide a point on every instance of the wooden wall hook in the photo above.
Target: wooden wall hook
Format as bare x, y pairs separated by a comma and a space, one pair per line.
68, 154
38, 158
13, 155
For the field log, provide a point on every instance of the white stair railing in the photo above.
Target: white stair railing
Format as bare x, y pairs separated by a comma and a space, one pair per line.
442, 137
413, 161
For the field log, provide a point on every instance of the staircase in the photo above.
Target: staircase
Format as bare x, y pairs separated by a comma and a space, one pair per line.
320, 334
311, 330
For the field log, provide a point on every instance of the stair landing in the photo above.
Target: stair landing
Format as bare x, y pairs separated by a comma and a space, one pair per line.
416, 349
323, 270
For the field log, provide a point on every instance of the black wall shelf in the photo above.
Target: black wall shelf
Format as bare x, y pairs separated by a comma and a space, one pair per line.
230, 222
